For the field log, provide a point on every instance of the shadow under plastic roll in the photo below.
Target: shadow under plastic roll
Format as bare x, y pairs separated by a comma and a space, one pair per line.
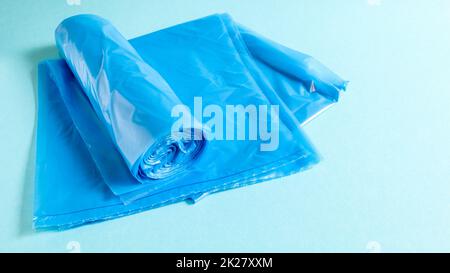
131, 99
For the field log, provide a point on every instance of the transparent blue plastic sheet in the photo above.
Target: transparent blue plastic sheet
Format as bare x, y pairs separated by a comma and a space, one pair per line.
105, 145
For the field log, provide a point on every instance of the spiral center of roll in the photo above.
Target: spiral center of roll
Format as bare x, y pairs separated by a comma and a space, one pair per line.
171, 155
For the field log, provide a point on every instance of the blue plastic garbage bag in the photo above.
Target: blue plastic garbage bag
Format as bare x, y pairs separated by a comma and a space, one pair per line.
126, 126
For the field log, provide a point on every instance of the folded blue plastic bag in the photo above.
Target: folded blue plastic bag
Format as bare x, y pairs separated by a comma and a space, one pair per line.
106, 141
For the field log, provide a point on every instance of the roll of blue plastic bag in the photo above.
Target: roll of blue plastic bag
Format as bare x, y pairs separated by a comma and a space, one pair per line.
130, 98
107, 144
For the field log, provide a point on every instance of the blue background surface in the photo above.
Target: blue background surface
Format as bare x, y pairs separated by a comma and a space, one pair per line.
384, 184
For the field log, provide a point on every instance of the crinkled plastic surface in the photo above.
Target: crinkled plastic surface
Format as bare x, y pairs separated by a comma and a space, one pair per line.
105, 145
